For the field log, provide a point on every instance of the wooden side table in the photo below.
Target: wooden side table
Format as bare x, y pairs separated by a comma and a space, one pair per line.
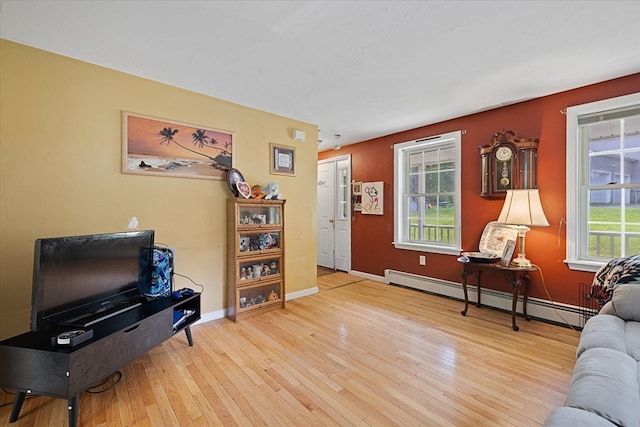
512, 275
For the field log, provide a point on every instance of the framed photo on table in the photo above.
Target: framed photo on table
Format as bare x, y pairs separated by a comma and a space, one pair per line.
508, 252
283, 160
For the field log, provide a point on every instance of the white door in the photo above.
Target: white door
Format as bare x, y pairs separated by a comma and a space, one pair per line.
334, 213
326, 218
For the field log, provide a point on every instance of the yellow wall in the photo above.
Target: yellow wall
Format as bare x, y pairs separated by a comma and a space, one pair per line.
60, 174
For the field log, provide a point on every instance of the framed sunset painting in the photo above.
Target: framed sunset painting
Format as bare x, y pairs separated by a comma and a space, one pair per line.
154, 146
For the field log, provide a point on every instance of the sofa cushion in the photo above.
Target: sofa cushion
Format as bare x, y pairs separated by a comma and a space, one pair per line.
603, 331
632, 339
566, 417
605, 382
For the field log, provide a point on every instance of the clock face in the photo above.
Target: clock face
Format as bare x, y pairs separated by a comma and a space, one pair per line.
504, 154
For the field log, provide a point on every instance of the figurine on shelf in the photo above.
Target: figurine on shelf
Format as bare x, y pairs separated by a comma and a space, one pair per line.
254, 244
258, 219
244, 218
273, 296
272, 191
256, 192
273, 267
243, 273
257, 270
268, 241
266, 270
244, 243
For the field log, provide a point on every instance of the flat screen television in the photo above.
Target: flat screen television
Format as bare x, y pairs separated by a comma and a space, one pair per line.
76, 278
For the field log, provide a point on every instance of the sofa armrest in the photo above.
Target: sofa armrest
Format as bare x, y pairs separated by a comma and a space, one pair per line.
625, 302
607, 309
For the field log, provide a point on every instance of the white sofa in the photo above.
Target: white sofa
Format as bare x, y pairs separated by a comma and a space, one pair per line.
605, 386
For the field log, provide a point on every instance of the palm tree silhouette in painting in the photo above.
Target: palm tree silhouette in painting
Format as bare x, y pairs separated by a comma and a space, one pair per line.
223, 160
200, 140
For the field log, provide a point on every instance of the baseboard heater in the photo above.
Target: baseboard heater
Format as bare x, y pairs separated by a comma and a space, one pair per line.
537, 308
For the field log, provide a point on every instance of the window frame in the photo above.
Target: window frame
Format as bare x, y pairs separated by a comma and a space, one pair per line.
401, 151
576, 193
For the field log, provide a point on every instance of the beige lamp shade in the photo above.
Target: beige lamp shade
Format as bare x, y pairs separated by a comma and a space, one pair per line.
523, 207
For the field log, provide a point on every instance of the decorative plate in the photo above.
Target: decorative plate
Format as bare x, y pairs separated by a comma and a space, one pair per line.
495, 237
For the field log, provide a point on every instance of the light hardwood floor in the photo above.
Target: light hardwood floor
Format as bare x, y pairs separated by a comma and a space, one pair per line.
357, 353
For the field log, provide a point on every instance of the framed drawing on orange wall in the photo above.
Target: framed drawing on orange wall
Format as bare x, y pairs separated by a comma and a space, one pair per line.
373, 198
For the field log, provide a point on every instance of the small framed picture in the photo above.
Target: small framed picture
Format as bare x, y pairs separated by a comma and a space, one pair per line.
233, 178
356, 195
283, 160
507, 254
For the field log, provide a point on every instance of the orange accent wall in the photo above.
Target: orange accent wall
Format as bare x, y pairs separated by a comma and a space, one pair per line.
372, 160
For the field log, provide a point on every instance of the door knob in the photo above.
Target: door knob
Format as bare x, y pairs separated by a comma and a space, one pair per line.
331, 220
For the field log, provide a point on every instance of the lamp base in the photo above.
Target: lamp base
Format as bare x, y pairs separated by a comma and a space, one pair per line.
521, 262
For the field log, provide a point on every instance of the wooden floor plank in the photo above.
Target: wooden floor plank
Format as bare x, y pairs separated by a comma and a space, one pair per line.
357, 353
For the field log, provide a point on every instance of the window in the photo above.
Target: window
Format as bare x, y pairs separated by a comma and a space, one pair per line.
343, 193
603, 181
427, 188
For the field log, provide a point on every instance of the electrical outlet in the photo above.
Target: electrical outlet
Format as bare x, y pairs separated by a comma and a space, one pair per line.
423, 260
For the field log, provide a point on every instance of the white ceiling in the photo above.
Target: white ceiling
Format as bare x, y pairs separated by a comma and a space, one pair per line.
360, 69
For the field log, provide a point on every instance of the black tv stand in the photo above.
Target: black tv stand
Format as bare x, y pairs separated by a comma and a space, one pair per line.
30, 364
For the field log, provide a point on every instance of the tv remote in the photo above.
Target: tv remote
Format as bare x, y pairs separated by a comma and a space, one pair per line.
73, 338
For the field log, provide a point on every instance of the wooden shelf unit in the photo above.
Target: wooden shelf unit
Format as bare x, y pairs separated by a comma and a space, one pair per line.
255, 256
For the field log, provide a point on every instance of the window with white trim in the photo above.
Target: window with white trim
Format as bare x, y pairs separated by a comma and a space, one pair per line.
603, 181
427, 194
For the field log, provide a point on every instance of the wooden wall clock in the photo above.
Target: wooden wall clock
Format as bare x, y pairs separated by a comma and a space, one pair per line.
508, 163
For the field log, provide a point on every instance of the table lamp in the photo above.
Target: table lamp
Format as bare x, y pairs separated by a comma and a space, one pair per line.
522, 208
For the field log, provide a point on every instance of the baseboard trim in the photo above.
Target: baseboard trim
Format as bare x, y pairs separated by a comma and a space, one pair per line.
563, 314
302, 293
212, 315
368, 276
220, 314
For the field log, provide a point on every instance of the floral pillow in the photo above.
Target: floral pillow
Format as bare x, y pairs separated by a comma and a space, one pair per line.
615, 272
